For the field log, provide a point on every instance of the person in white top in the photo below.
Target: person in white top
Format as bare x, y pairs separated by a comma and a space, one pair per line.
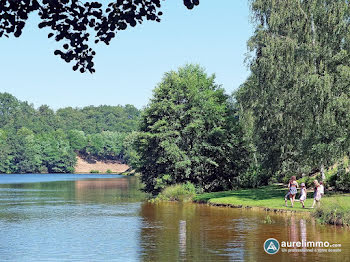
321, 188
317, 194
303, 194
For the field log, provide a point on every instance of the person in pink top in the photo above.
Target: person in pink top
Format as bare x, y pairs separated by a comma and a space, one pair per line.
292, 185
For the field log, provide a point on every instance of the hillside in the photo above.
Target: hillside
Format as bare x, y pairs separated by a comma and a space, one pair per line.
84, 166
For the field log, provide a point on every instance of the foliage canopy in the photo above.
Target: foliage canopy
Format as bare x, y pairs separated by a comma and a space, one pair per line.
189, 133
71, 21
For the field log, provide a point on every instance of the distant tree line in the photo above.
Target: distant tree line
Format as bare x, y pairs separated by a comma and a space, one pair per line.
42, 140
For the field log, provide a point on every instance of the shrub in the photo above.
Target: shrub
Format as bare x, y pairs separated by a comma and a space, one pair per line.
94, 171
252, 178
178, 192
342, 181
109, 171
339, 177
307, 180
334, 210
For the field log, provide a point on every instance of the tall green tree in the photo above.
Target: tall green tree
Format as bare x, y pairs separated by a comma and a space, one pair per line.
298, 91
189, 132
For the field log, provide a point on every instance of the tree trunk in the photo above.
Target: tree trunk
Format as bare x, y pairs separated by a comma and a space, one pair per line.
322, 173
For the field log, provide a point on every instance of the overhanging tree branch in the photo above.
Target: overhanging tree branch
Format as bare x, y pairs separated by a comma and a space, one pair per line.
70, 21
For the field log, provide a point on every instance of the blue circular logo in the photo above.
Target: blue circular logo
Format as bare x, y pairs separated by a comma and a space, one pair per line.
271, 246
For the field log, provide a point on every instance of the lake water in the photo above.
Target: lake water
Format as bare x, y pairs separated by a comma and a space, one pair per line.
105, 218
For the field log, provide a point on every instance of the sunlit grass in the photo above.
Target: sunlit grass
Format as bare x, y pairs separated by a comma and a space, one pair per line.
268, 197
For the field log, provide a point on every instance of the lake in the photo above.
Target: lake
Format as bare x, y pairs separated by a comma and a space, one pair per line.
68, 217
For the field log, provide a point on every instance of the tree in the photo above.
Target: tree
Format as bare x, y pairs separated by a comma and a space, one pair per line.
46, 119
93, 120
57, 155
105, 145
28, 157
15, 114
130, 152
298, 90
5, 154
71, 21
189, 132
77, 140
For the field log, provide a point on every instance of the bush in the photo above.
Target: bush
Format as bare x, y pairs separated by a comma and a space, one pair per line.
109, 171
178, 192
252, 178
307, 180
339, 178
94, 171
342, 181
334, 210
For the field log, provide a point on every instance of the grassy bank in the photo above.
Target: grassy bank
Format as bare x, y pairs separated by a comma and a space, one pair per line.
334, 209
177, 192
268, 197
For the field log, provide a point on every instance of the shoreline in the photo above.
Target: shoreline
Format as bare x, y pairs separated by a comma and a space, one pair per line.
334, 209
275, 210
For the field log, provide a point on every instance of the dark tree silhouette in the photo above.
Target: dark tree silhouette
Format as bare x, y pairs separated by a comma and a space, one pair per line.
70, 21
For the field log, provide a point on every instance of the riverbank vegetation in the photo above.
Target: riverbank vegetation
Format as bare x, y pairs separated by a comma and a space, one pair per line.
178, 192
334, 210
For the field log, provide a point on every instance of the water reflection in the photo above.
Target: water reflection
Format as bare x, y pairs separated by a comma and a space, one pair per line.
182, 238
108, 191
102, 184
106, 219
188, 232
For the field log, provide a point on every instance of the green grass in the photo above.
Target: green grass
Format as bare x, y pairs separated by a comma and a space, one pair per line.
268, 197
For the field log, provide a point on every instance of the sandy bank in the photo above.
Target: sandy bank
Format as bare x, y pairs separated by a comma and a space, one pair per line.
84, 166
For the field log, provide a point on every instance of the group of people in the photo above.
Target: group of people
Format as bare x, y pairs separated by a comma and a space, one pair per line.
293, 189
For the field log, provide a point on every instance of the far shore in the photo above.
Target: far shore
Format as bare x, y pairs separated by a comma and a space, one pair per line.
84, 166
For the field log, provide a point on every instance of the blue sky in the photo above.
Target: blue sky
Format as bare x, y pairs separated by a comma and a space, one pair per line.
127, 70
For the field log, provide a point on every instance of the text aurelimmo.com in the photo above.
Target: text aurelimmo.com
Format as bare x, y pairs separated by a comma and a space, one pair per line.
309, 246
